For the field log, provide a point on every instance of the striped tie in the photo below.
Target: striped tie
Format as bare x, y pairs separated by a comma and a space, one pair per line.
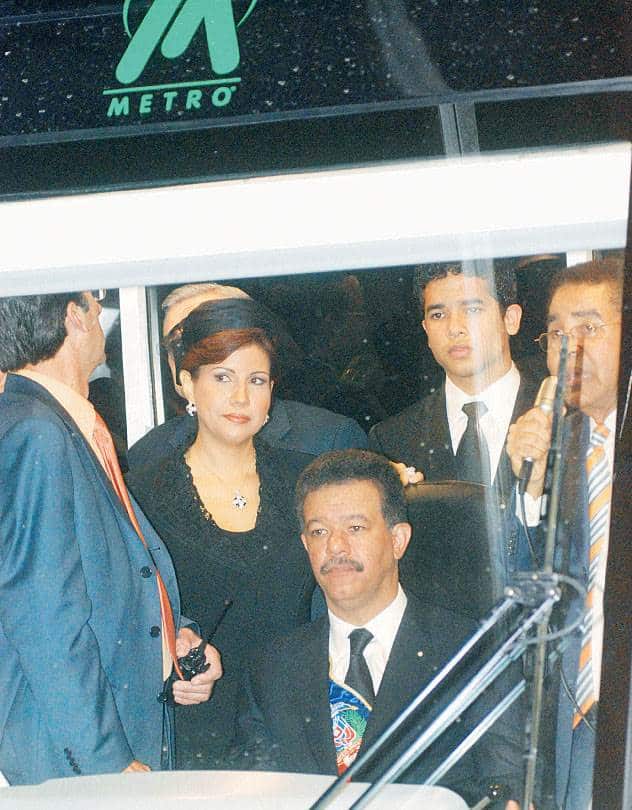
599, 495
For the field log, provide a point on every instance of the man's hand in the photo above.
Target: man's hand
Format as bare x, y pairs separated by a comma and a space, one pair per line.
530, 437
199, 688
407, 475
512, 805
137, 767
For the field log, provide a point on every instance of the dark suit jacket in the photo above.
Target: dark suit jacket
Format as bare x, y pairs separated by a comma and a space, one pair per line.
80, 646
573, 546
571, 558
285, 722
292, 426
420, 436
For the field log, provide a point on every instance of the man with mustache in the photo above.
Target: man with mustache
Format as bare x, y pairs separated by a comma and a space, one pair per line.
458, 431
585, 305
318, 697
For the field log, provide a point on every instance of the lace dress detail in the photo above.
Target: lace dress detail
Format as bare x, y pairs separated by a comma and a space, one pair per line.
264, 572
196, 495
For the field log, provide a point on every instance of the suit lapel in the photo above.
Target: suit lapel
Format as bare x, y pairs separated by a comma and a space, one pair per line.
438, 460
312, 695
410, 666
504, 480
28, 387
573, 543
574, 531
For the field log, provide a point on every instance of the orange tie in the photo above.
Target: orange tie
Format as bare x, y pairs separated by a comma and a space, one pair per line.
599, 496
103, 440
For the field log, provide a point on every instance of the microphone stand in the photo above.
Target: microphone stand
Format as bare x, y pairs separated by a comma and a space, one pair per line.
497, 613
531, 589
552, 484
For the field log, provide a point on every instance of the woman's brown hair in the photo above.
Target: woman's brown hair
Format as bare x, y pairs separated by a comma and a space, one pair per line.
215, 348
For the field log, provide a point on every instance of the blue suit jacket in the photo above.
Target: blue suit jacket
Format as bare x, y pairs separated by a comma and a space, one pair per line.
292, 426
80, 647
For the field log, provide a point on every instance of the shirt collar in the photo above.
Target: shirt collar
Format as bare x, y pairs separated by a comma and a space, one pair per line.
383, 627
495, 396
79, 408
610, 422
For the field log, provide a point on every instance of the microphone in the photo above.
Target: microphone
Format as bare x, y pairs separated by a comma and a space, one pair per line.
544, 401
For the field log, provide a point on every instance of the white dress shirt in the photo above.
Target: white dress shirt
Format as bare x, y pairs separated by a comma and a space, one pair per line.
499, 398
384, 628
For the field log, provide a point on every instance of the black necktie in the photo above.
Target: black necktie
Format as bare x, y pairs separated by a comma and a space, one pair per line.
472, 455
358, 676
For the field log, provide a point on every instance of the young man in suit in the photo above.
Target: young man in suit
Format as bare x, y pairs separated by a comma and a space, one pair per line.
585, 305
292, 425
90, 624
458, 432
317, 698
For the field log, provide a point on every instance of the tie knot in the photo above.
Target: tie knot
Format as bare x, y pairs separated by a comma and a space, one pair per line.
474, 409
599, 435
358, 640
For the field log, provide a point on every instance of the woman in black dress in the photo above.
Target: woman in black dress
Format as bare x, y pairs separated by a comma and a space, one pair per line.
224, 507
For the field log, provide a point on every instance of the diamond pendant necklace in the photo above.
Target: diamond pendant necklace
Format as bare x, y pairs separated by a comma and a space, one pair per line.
239, 501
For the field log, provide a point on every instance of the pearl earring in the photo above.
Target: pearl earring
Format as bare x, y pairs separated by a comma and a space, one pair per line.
191, 408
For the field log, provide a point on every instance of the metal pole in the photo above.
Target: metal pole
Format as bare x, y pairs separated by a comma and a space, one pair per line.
511, 649
555, 466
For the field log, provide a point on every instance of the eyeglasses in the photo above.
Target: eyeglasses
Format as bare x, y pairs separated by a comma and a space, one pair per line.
582, 333
99, 295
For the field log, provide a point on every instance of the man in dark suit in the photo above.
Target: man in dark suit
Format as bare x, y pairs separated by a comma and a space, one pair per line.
90, 625
292, 425
458, 432
318, 697
585, 305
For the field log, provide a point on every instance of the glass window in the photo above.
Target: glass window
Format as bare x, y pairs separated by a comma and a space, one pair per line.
355, 344
80, 69
550, 121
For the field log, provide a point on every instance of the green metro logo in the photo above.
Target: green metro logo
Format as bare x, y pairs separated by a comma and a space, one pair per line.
171, 25
176, 23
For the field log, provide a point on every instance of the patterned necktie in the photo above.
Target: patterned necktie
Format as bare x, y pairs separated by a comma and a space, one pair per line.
358, 676
103, 441
599, 496
472, 455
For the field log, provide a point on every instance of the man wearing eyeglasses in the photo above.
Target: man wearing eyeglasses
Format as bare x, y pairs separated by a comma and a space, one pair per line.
585, 305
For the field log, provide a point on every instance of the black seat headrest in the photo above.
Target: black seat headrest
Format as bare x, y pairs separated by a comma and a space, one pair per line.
453, 558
